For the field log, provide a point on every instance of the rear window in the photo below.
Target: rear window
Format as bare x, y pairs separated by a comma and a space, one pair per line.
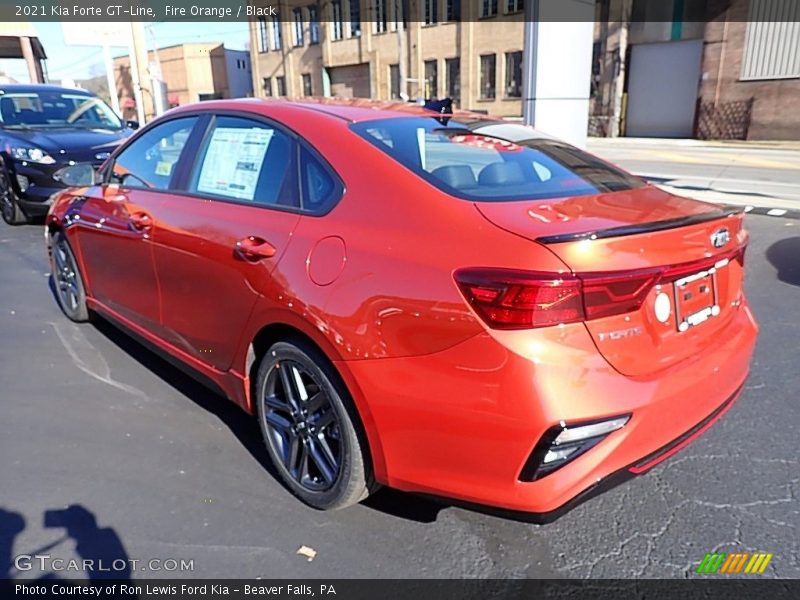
463, 162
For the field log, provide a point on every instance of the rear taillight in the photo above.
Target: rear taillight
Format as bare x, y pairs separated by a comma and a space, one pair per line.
507, 299
513, 299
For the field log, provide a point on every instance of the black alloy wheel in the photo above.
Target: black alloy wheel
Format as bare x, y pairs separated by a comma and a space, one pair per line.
308, 429
67, 279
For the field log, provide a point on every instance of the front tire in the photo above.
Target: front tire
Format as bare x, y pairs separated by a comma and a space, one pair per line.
9, 207
69, 288
309, 426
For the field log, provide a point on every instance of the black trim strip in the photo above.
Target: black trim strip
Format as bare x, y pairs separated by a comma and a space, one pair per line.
725, 211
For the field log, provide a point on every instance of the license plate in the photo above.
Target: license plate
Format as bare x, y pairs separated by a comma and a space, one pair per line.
696, 298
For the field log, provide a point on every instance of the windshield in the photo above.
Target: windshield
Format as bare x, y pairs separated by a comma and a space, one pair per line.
39, 110
460, 159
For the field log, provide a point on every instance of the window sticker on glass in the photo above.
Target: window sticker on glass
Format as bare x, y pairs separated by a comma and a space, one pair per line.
164, 168
233, 162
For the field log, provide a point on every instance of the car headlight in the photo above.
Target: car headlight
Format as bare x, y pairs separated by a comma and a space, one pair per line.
33, 154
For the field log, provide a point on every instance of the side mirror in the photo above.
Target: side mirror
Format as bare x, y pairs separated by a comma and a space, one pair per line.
132, 124
77, 175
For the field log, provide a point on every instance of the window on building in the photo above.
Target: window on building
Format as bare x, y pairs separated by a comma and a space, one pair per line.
513, 6
313, 25
355, 18
488, 68
452, 67
771, 42
379, 16
513, 74
337, 22
399, 18
394, 81
431, 79
266, 85
281, 83
452, 10
488, 8
276, 33
297, 14
307, 91
263, 36
430, 14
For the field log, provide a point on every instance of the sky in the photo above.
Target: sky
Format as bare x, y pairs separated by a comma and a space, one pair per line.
79, 62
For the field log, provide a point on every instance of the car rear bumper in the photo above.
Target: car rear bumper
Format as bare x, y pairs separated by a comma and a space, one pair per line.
462, 423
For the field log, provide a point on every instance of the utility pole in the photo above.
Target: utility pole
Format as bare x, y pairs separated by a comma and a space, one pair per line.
529, 56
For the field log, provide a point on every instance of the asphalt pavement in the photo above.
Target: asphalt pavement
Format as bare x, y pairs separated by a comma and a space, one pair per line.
154, 466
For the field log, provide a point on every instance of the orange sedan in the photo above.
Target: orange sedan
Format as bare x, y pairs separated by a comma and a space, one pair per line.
446, 304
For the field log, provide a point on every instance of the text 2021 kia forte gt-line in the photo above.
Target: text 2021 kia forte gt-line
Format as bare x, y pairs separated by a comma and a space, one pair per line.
450, 305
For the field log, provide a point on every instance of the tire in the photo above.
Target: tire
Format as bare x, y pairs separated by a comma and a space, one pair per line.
9, 207
311, 434
67, 280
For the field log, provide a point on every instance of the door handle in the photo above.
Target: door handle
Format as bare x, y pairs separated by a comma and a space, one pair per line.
141, 221
254, 248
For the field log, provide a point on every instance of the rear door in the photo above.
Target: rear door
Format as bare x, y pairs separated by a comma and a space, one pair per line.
116, 222
217, 243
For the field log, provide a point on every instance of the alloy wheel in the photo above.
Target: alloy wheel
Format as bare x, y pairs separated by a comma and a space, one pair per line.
302, 426
65, 273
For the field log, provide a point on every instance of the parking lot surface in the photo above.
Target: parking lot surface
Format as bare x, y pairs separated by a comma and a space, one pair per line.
155, 466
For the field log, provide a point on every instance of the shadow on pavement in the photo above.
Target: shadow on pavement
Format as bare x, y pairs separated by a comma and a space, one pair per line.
101, 548
784, 255
243, 426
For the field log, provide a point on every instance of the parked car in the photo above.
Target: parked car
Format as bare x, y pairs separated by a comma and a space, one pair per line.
452, 305
44, 128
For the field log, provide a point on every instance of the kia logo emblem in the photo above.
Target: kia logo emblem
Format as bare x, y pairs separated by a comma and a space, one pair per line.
720, 237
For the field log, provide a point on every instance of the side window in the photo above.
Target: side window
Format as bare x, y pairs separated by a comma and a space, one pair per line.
247, 161
320, 189
150, 160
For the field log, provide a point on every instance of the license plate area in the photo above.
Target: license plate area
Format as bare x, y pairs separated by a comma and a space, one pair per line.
696, 298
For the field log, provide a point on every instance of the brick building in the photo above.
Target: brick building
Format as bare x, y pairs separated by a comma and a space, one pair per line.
192, 72
708, 69
469, 51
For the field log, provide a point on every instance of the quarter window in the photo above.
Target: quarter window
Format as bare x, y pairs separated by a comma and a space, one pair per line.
247, 161
150, 161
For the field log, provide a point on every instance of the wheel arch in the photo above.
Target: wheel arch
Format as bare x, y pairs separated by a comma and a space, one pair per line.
282, 331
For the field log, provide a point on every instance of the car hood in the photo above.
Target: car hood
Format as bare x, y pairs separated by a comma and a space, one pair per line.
71, 141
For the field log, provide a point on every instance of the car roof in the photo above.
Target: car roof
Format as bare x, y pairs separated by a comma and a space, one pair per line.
6, 88
352, 110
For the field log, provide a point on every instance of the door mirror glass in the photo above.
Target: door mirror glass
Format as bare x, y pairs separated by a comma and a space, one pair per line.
78, 175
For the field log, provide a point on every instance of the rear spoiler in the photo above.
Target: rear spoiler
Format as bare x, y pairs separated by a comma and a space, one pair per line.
597, 234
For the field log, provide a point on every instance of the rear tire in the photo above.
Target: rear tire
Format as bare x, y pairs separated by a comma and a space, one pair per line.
9, 207
309, 427
69, 288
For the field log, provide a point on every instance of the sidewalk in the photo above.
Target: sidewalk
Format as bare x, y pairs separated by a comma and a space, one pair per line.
788, 145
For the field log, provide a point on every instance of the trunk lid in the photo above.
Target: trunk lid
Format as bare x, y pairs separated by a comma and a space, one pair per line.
694, 248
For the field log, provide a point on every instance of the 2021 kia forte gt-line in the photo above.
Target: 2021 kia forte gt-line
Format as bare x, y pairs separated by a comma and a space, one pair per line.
445, 304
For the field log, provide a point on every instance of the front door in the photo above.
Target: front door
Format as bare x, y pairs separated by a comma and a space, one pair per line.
116, 223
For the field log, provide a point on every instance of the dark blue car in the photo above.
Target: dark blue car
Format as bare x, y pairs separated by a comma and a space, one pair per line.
44, 128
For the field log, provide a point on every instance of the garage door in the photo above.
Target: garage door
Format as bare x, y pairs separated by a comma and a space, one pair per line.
662, 89
351, 81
